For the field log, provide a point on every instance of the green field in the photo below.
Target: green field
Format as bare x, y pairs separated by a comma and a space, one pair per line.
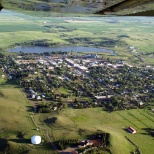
16, 111
67, 123
64, 91
116, 33
16, 125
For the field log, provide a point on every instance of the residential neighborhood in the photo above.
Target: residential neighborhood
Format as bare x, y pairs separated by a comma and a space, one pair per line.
54, 81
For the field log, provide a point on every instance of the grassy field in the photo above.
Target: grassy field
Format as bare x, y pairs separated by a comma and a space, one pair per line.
64, 91
66, 124
116, 33
16, 125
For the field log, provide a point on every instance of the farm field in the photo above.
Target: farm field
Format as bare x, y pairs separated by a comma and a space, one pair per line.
66, 125
115, 33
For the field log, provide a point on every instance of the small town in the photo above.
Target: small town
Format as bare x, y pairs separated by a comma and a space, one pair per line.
53, 81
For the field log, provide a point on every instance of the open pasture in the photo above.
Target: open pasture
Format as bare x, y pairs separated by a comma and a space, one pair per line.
66, 124
106, 32
16, 125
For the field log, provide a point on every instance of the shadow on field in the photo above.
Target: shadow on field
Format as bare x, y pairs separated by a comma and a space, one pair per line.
30, 108
11, 83
64, 153
3, 144
126, 130
47, 146
20, 140
148, 131
50, 121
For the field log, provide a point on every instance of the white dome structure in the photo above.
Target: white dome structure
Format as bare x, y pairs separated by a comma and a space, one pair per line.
36, 139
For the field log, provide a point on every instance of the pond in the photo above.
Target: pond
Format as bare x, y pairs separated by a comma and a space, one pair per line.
39, 49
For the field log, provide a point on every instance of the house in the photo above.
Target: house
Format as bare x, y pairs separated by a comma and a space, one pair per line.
105, 98
141, 103
33, 96
38, 98
43, 96
51, 68
131, 130
26, 62
10, 77
54, 108
32, 91
85, 143
91, 56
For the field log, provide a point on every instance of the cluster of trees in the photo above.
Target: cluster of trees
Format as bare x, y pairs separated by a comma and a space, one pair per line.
48, 107
105, 42
147, 53
2, 60
63, 144
44, 43
44, 107
94, 150
1, 55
